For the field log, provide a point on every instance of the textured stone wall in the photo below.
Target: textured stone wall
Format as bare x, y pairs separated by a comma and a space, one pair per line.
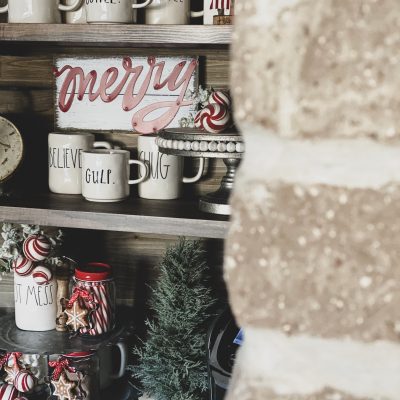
312, 258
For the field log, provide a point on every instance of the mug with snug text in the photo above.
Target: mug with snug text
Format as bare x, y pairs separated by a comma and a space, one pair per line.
164, 172
37, 11
105, 175
170, 12
65, 160
112, 11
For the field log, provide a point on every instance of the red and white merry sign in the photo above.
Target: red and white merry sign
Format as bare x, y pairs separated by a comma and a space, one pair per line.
144, 94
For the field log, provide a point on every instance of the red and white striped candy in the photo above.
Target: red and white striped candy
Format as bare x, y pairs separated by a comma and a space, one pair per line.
36, 248
24, 381
197, 120
42, 275
215, 118
22, 266
102, 316
8, 392
221, 98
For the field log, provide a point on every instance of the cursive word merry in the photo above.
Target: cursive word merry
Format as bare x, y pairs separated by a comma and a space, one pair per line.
107, 87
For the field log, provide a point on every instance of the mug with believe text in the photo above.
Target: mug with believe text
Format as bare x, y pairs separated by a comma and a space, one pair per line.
165, 172
168, 12
112, 11
65, 160
37, 11
105, 175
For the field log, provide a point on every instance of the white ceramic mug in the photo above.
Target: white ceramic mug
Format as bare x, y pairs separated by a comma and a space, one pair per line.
112, 11
37, 11
75, 17
105, 175
170, 12
164, 172
65, 160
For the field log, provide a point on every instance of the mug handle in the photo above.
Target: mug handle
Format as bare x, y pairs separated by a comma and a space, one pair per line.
197, 14
103, 145
198, 175
76, 5
4, 9
142, 164
141, 5
121, 372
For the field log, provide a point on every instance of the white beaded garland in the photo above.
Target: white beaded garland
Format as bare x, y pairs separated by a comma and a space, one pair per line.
203, 146
195, 145
221, 147
212, 146
231, 147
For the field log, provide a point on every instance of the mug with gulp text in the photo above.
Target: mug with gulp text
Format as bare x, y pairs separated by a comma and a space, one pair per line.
105, 175
168, 12
65, 160
37, 11
112, 11
164, 172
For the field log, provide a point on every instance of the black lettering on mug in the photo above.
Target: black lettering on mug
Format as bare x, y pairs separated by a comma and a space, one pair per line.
98, 177
158, 166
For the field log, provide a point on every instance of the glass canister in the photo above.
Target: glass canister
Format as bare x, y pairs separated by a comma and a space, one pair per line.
97, 281
79, 372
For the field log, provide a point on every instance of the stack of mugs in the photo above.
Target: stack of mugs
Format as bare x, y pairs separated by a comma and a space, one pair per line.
77, 165
177, 12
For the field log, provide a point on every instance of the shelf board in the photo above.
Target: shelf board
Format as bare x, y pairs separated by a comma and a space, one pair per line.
116, 35
172, 217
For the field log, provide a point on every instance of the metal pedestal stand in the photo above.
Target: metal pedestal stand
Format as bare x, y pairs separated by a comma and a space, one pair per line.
188, 142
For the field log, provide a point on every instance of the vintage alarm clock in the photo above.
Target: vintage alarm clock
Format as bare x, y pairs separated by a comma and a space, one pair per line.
11, 149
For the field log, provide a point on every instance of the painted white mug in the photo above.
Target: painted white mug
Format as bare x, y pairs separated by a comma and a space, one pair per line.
168, 12
164, 172
35, 305
65, 160
112, 11
75, 17
105, 175
37, 11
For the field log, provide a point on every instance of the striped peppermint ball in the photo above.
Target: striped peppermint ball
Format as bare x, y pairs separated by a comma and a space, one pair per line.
221, 98
42, 275
8, 392
215, 118
22, 266
36, 248
24, 381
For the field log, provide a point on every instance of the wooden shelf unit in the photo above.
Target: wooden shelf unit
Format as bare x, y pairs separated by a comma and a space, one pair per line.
172, 217
97, 35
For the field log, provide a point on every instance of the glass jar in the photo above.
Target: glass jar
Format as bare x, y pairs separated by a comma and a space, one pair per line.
96, 279
83, 370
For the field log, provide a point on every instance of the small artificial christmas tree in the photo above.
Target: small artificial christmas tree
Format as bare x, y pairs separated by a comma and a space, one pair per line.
173, 362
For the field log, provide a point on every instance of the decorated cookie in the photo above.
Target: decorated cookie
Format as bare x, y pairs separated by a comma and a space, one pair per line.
12, 368
22, 266
24, 381
77, 317
42, 275
63, 388
36, 248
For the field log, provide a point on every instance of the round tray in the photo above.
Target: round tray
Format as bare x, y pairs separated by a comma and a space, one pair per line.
178, 141
51, 342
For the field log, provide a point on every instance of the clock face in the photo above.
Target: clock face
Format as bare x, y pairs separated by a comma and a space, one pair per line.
11, 148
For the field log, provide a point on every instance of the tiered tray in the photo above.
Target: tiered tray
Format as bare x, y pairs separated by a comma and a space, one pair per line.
228, 146
51, 342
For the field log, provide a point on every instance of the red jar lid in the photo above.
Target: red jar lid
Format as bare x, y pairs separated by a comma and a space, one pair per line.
93, 272
80, 354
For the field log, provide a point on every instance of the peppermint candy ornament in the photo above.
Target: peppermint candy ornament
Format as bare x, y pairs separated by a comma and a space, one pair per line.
214, 118
36, 248
8, 392
22, 266
24, 381
42, 275
221, 98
